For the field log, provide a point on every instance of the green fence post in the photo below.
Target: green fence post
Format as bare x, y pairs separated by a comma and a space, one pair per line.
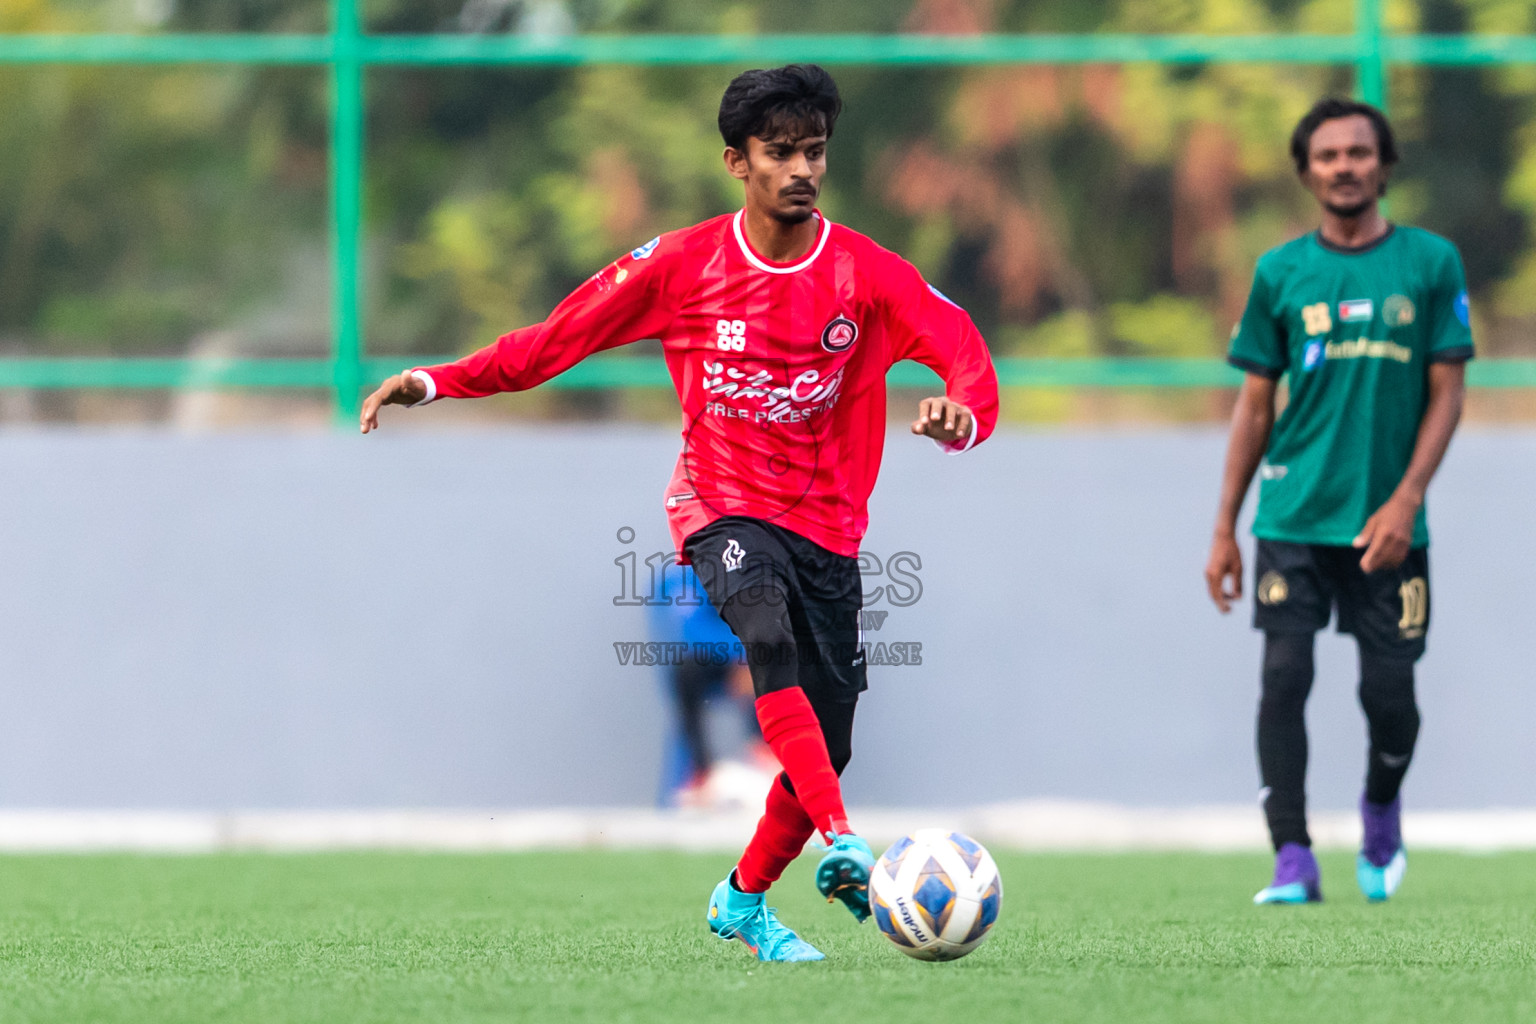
1370, 64
346, 208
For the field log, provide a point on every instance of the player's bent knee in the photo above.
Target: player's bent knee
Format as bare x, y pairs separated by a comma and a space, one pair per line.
1288, 668
1387, 689
767, 641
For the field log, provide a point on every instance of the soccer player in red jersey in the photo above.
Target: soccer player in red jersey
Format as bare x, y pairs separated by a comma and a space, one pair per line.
778, 327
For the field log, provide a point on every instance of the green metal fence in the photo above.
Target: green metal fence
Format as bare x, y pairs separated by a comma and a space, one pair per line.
347, 51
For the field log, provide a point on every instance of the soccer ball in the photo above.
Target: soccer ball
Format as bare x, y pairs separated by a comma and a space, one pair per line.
936, 894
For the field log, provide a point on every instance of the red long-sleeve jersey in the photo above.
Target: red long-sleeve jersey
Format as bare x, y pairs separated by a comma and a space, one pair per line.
780, 368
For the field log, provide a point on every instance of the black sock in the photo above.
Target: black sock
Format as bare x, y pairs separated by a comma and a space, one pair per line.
1392, 715
1286, 682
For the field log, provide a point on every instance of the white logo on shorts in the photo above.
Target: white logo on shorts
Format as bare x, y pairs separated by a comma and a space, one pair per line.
732, 556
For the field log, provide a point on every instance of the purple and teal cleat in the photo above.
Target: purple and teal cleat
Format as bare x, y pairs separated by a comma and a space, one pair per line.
1382, 862
843, 874
1296, 877
746, 916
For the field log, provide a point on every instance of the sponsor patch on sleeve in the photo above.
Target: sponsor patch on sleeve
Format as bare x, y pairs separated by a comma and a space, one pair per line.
644, 251
1463, 310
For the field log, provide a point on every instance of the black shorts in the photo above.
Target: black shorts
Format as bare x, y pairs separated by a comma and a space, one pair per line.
820, 591
1297, 587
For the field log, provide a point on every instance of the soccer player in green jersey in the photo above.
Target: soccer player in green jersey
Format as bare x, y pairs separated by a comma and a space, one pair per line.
1368, 323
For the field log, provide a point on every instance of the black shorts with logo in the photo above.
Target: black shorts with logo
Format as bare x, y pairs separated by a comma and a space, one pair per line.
1297, 587
820, 591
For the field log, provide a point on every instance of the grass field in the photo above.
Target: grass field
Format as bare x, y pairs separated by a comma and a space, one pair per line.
615, 937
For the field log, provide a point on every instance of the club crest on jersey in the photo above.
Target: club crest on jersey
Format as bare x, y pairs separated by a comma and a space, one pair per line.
839, 334
644, 252
1397, 311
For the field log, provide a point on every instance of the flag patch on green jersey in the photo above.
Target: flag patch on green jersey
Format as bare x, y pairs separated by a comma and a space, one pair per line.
1355, 310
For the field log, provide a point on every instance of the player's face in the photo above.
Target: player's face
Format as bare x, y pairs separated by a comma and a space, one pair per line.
782, 175
1344, 169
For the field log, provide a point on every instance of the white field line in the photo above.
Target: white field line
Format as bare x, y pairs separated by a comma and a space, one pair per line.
1027, 825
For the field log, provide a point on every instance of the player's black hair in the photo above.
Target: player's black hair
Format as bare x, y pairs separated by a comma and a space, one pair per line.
796, 100
1330, 109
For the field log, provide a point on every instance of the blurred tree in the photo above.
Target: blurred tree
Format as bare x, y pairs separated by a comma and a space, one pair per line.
1074, 210
139, 206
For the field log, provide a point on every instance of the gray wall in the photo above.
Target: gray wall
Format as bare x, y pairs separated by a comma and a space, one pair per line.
419, 619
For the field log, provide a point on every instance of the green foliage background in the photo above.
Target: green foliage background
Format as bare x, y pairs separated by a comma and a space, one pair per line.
1074, 210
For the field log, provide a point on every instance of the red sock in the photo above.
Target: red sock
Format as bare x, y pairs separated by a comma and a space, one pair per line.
793, 733
780, 836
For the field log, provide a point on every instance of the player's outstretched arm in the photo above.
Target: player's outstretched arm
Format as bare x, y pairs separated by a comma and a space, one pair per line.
401, 389
1388, 533
630, 299
944, 420
1252, 420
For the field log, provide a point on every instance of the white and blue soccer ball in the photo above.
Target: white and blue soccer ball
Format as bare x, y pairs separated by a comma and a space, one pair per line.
936, 894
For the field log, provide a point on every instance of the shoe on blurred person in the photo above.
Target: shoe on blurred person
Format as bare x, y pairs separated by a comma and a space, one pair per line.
1382, 862
693, 794
734, 914
843, 874
736, 786
1296, 877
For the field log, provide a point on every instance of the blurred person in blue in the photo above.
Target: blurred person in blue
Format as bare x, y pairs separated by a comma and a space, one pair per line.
713, 669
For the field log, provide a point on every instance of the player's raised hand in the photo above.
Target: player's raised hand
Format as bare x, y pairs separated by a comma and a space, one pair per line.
1387, 535
943, 420
1224, 572
401, 389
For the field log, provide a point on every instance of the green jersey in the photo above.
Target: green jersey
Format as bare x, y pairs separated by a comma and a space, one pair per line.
1356, 330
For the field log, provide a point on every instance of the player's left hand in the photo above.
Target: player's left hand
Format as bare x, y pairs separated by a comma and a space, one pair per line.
1387, 535
943, 420
401, 389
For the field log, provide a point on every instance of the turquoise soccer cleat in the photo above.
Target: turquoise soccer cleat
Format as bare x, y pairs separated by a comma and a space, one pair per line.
843, 874
747, 916
1382, 862
1380, 882
1296, 878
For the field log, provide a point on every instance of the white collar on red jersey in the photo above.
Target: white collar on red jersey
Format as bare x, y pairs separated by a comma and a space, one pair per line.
762, 264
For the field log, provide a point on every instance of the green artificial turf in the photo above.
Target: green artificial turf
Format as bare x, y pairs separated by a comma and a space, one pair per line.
613, 937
